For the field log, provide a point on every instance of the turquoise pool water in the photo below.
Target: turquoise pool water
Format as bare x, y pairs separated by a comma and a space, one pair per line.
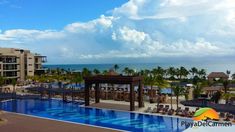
127, 121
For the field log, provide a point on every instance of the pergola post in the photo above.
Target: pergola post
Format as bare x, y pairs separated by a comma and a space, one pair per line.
63, 93
49, 92
73, 93
140, 95
41, 93
87, 94
97, 93
132, 99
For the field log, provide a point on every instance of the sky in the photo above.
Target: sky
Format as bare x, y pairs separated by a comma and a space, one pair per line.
121, 31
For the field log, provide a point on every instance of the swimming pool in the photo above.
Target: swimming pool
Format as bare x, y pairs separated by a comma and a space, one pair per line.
127, 121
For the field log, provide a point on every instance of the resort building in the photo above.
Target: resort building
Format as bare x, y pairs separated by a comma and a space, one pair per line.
18, 63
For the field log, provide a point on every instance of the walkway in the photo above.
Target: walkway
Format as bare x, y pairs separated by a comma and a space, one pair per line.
16, 123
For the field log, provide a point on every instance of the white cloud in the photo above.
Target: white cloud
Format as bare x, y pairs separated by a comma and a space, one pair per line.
29, 35
130, 36
102, 22
138, 29
162, 9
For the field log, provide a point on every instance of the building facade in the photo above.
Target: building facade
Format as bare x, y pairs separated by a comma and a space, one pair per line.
18, 63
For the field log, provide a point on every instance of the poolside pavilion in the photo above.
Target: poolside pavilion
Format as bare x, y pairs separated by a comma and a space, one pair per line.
132, 81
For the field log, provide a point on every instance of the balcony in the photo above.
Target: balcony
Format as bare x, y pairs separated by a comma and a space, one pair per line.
10, 67
40, 59
10, 74
9, 60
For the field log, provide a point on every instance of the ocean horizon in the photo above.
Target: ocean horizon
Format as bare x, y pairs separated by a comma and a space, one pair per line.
140, 66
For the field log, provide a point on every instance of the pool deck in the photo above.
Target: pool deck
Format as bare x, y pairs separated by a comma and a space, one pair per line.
123, 107
16, 123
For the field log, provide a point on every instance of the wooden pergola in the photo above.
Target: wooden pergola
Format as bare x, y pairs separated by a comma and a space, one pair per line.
132, 81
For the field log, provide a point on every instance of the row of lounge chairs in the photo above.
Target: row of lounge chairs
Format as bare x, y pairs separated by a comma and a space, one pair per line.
225, 116
185, 112
166, 110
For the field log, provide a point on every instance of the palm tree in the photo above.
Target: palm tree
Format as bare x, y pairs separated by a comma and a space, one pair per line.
96, 71
105, 72
233, 76
131, 72
150, 80
202, 73
228, 72
116, 67
2, 81
171, 71
77, 79
216, 96
178, 91
160, 82
193, 71
145, 72
86, 72
177, 73
197, 91
225, 84
14, 82
171, 95
182, 72
227, 96
126, 71
158, 71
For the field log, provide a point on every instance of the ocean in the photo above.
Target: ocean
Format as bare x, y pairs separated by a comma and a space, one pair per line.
220, 67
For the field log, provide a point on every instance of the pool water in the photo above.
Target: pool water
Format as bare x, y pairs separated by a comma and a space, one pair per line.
127, 121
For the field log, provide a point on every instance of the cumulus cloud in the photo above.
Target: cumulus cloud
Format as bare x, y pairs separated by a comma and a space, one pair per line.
161, 9
138, 29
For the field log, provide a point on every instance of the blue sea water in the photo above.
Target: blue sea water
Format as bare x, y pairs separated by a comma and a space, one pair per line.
209, 67
59, 110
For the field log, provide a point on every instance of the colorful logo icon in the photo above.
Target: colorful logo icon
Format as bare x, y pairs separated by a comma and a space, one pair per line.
205, 114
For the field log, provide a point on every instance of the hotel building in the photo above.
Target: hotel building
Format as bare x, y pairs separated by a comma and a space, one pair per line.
18, 63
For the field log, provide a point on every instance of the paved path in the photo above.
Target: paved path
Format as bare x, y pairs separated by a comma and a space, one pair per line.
21, 123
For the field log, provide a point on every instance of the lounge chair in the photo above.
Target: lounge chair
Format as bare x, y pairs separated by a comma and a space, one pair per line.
193, 112
188, 113
226, 117
171, 112
167, 106
160, 108
165, 110
155, 110
230, 115
222, 115
185, 112
149, 109
178, 111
